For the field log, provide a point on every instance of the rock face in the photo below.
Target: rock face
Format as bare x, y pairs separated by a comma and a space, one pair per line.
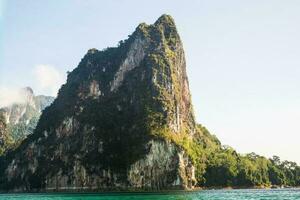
21, 118
118, 122
5, 139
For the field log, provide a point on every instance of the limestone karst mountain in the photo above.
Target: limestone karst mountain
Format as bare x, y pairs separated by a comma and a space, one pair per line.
123, 120
20, 118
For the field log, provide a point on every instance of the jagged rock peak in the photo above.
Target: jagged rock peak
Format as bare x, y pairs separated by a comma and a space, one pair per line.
165, 20
117, 123
92, 51
27, 90
27, 94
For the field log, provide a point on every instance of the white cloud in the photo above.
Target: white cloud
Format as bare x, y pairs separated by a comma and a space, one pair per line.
46, 80
49, 79
9, 96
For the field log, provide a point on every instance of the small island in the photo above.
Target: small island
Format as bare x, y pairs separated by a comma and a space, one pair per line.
124, 121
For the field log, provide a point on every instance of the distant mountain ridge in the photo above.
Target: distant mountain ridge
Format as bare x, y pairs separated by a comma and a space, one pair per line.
20, 118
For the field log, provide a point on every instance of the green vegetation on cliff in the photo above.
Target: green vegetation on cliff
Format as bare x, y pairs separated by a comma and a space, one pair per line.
6, 142
222, 166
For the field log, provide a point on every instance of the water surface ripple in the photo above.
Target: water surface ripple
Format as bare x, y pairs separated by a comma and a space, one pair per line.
274, 194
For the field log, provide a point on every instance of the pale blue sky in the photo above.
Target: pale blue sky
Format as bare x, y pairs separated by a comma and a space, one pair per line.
243, 57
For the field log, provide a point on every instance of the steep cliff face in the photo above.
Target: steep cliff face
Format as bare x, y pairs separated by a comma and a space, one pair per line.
6, 141
21, 118
123, 120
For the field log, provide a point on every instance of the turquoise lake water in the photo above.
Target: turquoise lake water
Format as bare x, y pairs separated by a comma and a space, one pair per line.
276, 194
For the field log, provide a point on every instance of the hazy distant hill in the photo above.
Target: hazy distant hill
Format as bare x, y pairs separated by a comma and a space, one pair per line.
20, 119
